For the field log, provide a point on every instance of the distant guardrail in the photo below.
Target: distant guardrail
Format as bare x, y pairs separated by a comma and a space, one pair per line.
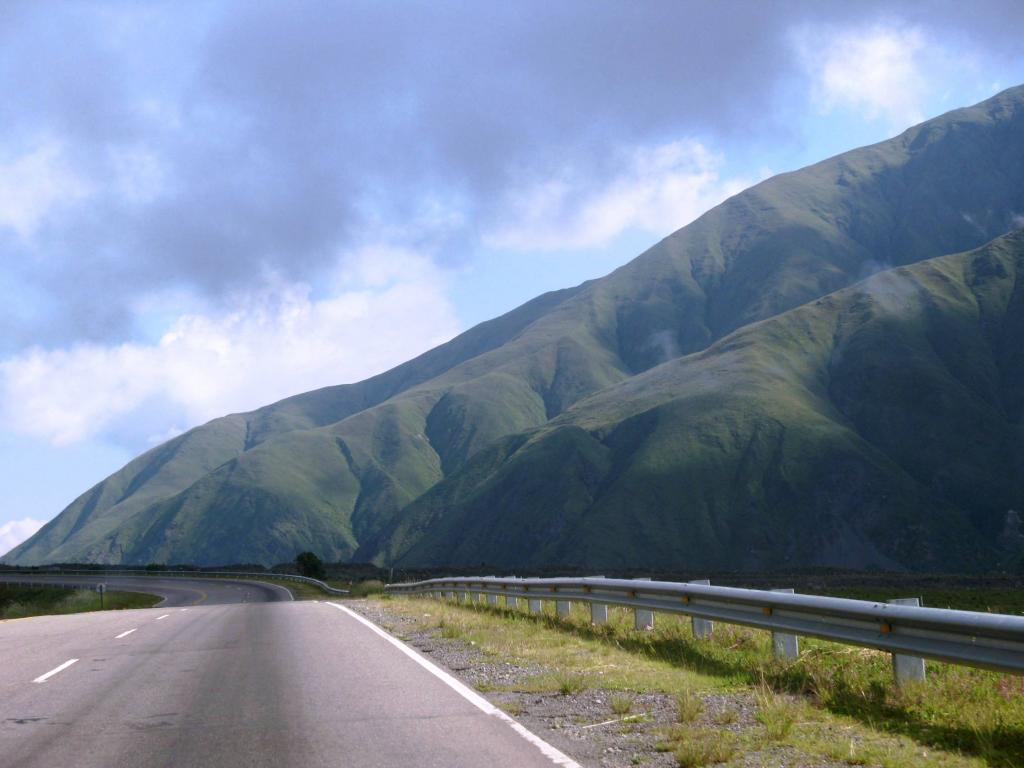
187, 574
902, 627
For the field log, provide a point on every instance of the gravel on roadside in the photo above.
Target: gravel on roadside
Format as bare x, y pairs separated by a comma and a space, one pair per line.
583, 724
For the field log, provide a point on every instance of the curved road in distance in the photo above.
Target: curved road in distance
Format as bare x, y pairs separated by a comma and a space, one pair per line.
176, 592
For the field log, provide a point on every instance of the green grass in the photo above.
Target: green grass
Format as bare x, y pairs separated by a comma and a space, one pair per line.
694, 748
450, 630
689, 706
362, 588
568, 683
17, 602
726, 717
621, 703
831, 700
776, 713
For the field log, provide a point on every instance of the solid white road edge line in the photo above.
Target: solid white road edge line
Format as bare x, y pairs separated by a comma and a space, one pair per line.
554, 755
162, 617
125, 634
287, 591
52, 672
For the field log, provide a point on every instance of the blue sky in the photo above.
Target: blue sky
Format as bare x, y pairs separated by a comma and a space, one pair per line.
206, 210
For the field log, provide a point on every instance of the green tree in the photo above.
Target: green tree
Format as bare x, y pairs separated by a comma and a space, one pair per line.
310, 565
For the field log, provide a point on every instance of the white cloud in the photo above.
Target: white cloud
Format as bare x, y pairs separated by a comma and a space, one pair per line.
659, 189
388, 306
17, 531
879, 70
32, 184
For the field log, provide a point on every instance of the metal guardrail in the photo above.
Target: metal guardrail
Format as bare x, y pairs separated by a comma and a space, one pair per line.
188, 574
910, 632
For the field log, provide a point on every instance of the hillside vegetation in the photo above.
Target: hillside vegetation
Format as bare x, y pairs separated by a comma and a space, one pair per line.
588, 408
879, 426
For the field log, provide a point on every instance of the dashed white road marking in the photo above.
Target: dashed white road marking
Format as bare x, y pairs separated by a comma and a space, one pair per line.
125, 634
553, 754
162, 617
54, 671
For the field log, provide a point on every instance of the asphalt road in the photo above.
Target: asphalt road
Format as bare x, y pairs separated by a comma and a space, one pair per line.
175, 591
244, 684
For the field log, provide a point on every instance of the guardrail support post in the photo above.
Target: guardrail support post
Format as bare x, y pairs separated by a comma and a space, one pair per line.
785, 646
451, 595
643, 618
598, 613
907, 668
511, 601
701, 627
492, 599
562, 607
534, 605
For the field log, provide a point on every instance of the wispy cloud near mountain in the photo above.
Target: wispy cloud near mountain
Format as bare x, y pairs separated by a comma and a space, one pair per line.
17, 531
387, 307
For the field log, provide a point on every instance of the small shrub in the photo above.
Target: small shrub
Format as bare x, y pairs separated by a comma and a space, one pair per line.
449, 630
690, 706
699, 748
726, 717
512, 708
569, 684
776, 713
621, 703
368, 587
310, 566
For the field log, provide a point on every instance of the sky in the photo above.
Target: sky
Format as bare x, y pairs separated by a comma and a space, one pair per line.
206, 207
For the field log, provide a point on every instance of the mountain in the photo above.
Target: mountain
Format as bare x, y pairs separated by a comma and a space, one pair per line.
356, 470
878, 426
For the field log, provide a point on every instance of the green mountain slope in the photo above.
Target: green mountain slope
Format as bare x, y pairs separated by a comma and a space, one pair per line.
103, 524
881, 425
331, 470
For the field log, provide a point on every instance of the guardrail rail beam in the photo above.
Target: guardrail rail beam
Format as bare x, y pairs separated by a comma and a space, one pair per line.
903, 628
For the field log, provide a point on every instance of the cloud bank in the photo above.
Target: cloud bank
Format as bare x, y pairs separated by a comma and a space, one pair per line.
658, 189
187, 198
388, 306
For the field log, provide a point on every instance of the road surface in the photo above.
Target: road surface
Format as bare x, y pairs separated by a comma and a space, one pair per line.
246, 684
175, 591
